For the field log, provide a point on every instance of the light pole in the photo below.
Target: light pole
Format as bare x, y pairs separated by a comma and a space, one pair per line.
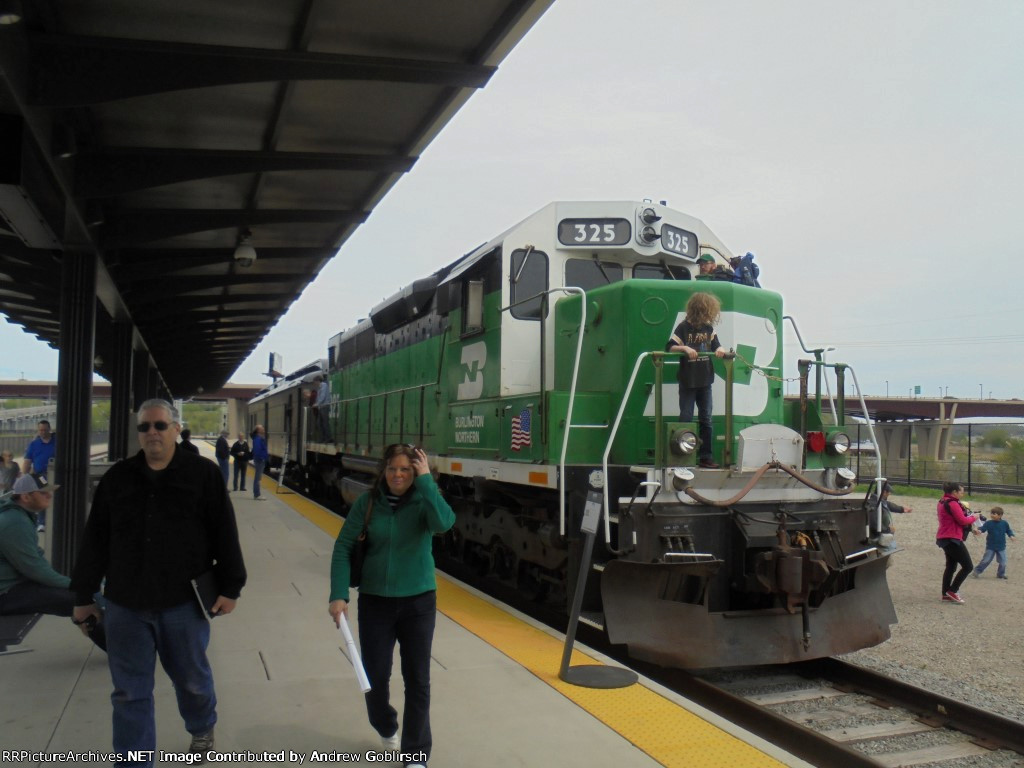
886, 387
981, 392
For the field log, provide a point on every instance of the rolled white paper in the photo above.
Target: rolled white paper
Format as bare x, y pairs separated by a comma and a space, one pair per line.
353, 654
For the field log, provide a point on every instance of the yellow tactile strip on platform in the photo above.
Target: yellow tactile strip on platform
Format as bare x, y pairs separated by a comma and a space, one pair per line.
657, 726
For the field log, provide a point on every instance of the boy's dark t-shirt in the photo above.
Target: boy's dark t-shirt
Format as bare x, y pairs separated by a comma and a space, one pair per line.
699, 373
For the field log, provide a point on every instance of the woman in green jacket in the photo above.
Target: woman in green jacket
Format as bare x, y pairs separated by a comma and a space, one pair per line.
397, 596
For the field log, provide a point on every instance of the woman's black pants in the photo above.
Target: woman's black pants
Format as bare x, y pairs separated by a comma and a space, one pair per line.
956, 554
410, 622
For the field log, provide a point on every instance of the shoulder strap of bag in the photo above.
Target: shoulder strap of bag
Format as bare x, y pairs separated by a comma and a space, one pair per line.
369, 514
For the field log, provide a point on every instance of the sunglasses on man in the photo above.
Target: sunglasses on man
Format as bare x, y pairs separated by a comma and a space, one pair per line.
160, 426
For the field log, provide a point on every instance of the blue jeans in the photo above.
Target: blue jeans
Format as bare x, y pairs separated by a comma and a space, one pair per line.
257, 469
240, 467
1000, 557
702, 399
410, 621
179, 636
225, 470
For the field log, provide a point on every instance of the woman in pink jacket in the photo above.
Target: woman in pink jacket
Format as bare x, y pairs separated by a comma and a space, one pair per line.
950, 537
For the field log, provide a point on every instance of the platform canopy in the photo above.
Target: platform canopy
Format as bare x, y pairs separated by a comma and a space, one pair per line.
162, 135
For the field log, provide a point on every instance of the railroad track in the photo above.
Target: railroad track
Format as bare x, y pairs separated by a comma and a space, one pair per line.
831, 714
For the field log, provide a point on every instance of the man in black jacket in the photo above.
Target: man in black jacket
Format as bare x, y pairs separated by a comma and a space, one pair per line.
159, 519
240, 450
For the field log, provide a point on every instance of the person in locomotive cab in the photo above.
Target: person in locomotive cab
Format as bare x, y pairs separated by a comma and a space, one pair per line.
711, 271
695, 337
397, 595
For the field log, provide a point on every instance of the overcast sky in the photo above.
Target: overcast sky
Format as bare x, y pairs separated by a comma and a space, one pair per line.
870, 155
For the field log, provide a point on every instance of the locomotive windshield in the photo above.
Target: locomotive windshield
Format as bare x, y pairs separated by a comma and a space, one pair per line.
590, 273
660, 271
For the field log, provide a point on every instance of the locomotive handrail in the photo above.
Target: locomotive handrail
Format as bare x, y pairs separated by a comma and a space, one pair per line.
879, 480
611, 437
571, 291
819, 361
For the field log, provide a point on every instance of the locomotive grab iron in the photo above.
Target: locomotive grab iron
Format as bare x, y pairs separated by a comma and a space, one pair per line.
531, 372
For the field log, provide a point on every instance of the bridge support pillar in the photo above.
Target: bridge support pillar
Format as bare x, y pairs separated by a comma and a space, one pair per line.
74, 393
933, 439
893, 444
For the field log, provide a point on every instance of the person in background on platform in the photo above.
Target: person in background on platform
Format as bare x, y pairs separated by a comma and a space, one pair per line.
223, 454
888, 509
28, 583
37, 460
9, 471
950, 538
240, 450
186, 441
321, 408
159, 519
695, 337
397, 597
260, 456
997, 531
710, 271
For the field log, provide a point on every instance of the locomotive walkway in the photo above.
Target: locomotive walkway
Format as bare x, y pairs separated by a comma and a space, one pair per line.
284, 683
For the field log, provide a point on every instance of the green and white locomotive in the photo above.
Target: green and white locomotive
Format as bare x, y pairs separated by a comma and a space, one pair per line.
531, 370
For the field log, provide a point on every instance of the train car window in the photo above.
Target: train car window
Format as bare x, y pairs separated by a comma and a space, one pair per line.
529, 277
590, 273
660, 272
473, 307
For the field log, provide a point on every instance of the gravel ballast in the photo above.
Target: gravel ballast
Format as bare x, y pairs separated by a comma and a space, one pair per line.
973, 652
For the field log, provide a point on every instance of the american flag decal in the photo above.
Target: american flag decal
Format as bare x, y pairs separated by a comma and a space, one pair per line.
521, 430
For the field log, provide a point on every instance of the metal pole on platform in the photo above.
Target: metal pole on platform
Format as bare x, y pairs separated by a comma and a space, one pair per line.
589, 675
74, 414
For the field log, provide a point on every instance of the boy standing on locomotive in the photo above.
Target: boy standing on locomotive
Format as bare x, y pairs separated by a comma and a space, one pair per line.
695, 337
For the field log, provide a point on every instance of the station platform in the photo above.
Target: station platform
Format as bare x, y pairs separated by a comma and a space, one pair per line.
287, 693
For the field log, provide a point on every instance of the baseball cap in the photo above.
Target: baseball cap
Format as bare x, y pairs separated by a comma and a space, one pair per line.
706, 257
31, 484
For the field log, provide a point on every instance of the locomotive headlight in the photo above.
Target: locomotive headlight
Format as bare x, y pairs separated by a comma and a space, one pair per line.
683, 442
845, 477
680, 477
649, 235
838, 444
648, 216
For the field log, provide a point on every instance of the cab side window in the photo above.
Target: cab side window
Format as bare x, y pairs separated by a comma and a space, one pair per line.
528, 277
